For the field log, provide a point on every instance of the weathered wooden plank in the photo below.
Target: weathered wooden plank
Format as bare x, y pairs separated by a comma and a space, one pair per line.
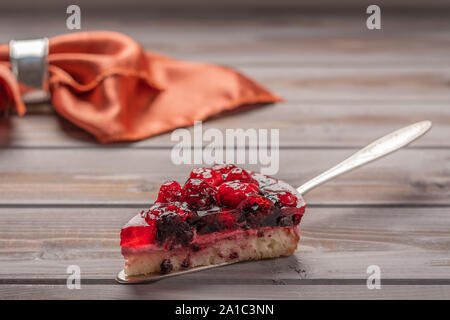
294, 37
225, 5
350, 83
336, 243
301, 124
114, 176
161, 291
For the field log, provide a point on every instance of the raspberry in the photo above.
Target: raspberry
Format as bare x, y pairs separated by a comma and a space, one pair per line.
213, 177
232, 193
199, 194
238, 174
223, 168
170, 191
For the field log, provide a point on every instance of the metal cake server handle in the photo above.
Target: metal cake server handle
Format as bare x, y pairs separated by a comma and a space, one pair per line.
377, 149
373, 151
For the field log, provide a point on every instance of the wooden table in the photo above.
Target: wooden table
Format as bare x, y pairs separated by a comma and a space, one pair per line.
64, 198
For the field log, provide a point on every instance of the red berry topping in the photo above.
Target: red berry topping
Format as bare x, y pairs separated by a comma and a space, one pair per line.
238, 174
218, 199
287, 199
170, 191
150, 216
223, 168
159, 209
282, 198
199, 194
232, 193
263, 180
213, 177
257, 204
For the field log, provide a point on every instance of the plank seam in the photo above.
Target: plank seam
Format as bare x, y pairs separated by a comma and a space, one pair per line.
308, 282
143, 205
169, 147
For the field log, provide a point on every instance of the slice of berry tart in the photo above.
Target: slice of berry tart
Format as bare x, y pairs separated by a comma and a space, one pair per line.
222, 214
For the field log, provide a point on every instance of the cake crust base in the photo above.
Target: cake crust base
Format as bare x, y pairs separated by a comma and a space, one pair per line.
268, 243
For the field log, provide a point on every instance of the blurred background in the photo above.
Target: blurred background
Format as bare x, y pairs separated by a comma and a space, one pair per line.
317, 54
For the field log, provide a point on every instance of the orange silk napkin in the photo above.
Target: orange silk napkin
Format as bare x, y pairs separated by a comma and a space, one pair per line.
105, 83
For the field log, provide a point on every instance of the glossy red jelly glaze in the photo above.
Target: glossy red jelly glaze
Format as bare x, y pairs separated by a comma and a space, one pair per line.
220, 198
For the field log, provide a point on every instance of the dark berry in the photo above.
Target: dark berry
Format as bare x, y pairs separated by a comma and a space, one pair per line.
186, 263
233, 255
170, 191
296, 219
215, 220
172, 227
166, 266
213, 177
285, 221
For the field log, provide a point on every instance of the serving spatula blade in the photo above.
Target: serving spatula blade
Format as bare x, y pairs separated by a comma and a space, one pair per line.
123, 278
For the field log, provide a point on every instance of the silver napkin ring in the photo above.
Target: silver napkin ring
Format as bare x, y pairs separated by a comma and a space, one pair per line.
28, 60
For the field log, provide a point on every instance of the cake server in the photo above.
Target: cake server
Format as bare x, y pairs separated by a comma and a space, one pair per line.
377, 149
